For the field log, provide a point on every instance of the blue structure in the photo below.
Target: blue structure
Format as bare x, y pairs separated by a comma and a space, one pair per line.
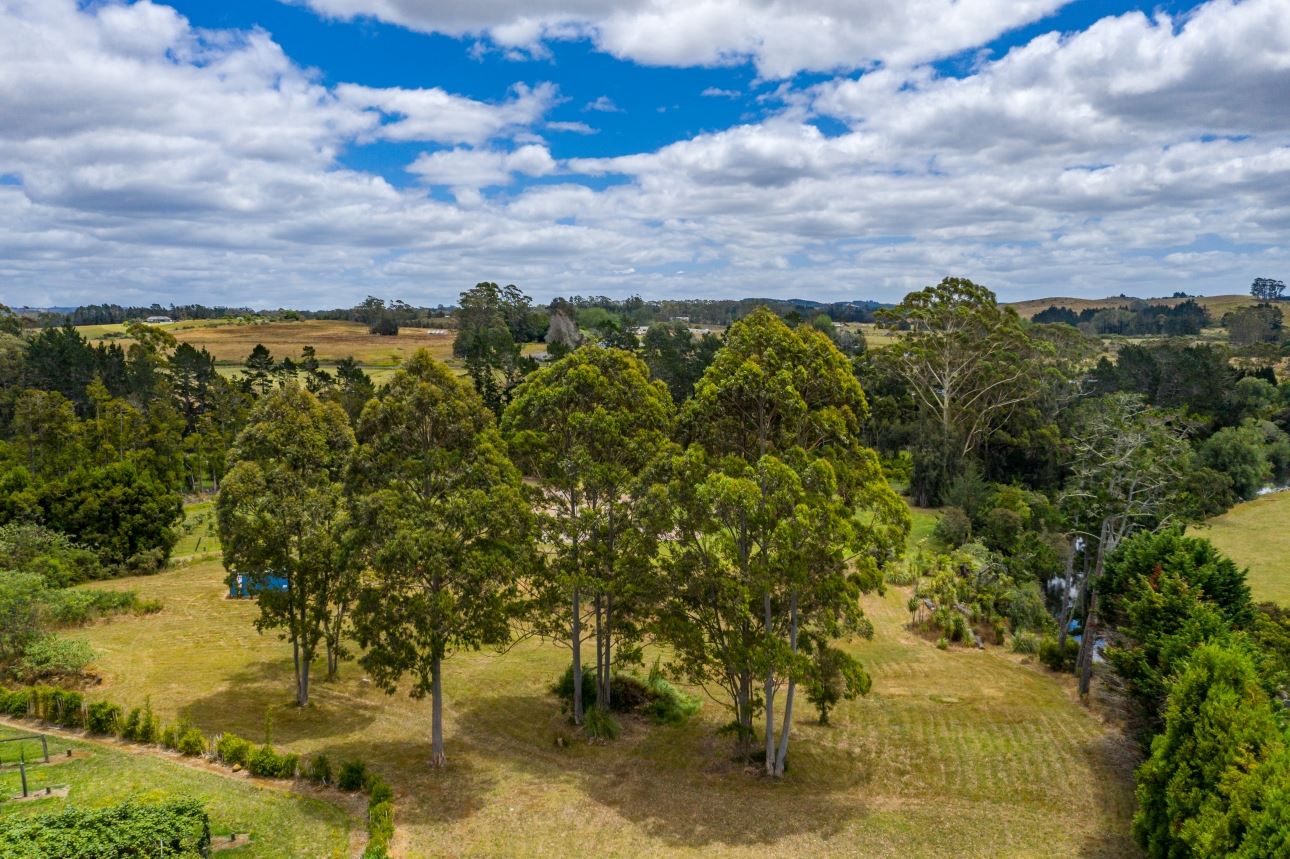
244, 586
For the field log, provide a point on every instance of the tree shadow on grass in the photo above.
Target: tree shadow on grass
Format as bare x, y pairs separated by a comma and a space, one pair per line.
1112, 759
265, 687
679, 784
422, 794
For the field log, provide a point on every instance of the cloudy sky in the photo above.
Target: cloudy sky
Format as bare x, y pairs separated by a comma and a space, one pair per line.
312, 152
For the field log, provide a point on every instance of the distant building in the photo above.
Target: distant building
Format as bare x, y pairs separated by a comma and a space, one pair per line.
680, 319
158, 320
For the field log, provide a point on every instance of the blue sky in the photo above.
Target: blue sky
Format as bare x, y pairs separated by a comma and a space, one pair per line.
309, 153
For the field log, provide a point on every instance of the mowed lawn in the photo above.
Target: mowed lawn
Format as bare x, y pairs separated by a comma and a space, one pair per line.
954, 754
281, 823
1256, 535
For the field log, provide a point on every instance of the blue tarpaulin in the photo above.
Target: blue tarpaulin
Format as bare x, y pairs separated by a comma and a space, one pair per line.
241, 585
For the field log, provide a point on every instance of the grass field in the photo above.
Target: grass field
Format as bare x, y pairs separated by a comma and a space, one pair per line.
281, 823
955, 753
1217, 305
198, 534
230, 341
1256, 535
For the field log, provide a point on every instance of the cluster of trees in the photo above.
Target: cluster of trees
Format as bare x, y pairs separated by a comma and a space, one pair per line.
1208, 671
739, 529
1135, 319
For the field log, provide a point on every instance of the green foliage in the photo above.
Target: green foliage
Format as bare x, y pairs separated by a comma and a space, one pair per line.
267, 763
441, 512
954, 528
1197, 783
1251, 455
142, 725
1057, 658
353, 775
586, 428
233, 750
1026, 642
1194, 560
378, 790
601, 725
21, 597
122, 511
15, 703
35, 548
77, 607
835, 676
654, 697
176, 827
103, 717
998, 367
318, 769
1165, 620
282, 512
191, 742
52, 656
380, 829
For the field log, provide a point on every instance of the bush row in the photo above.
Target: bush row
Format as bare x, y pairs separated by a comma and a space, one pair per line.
176, 827
68, 709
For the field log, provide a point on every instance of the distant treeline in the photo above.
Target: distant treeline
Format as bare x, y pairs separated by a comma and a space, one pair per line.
111, 314
1136, 319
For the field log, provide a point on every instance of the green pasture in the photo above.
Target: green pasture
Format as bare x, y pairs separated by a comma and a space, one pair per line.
281, 823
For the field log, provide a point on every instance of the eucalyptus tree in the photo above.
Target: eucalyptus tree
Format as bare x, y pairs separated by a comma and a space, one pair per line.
282, 513
439, 510
586, 428
781, 519
968, 365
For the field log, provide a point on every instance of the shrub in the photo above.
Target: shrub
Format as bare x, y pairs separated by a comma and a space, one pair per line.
1025, 642
1052, 654
79, 607
318, 770
191, 742
130, 729
380, 829
233, 750
353, 775
173, 827
51, 656
601, 725
954, 528
15, 703
901, 573
67, 709
169, 736
654, 697
942, 643
670, 705
103, 717
267, 763
378, 790
149, 724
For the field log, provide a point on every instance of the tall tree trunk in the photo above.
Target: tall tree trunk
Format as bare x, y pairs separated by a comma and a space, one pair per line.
437, 757
609, 631
743, 713
1084, 664
295, 658
601, 704
782, 755
302, 699
1066, 598
770, 695
577, 657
